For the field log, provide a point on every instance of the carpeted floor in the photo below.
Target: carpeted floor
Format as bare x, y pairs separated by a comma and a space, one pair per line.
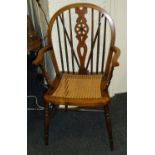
75, 133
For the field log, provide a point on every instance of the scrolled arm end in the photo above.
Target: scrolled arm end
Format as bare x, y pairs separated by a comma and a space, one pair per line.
40, 55
117, 51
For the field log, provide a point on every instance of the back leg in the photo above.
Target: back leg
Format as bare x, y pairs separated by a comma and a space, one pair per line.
108, 125
46, 115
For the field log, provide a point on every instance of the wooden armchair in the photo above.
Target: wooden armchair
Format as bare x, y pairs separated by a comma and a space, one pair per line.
83, 59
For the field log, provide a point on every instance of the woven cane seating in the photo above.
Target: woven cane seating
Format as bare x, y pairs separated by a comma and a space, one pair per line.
78, 90
83, 57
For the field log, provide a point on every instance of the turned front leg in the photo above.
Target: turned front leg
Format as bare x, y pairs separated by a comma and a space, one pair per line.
108, 125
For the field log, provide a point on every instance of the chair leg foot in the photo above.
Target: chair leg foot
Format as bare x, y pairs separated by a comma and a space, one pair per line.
46, 139
111, 145
66, 108
109, 126
46, 123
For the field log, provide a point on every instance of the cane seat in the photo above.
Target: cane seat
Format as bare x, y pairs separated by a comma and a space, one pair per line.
78, 89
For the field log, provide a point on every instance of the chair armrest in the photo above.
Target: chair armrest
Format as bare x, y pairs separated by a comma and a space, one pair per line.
114, 63
38, 61
116, 56
40, 55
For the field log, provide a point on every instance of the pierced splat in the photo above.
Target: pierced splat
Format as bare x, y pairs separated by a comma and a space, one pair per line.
81, 29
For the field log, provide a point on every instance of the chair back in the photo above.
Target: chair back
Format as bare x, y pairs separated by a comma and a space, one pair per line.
81, 35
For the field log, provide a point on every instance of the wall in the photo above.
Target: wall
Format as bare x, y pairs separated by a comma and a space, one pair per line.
119, 14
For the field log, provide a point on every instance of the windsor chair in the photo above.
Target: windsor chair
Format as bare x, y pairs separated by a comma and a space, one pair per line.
83, 57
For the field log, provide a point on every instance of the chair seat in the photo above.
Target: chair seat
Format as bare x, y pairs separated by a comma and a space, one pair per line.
79, 90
